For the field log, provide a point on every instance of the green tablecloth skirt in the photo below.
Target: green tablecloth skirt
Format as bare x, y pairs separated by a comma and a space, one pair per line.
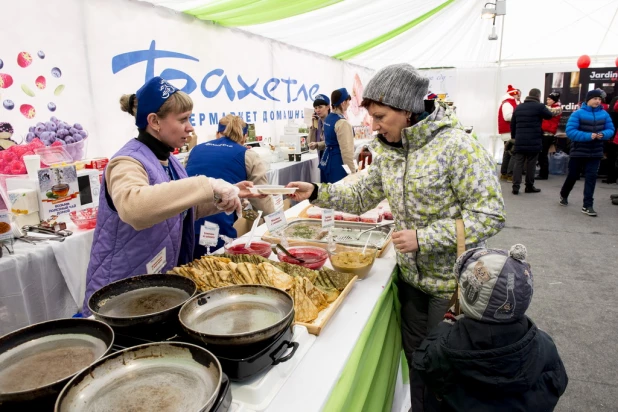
367, 382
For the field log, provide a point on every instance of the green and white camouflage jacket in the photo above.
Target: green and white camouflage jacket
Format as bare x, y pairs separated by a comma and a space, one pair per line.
440, 174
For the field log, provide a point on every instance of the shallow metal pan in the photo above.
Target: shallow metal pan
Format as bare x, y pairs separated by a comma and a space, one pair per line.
162, 377
141, 300
38, 360
237, 315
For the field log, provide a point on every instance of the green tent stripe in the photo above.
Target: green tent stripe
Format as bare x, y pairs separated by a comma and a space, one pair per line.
250, 12
369, 44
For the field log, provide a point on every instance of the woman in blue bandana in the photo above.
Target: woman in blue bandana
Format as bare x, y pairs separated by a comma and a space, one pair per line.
338, 144
227, 158
147, 205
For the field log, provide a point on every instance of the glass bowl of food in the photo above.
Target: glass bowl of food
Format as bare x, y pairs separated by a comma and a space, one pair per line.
313, 257
350, 259
85, 218
257, 247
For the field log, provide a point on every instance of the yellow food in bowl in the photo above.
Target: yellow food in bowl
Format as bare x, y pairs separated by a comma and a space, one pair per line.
353, 262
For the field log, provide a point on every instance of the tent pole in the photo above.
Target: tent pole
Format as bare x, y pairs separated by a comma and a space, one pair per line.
501, 39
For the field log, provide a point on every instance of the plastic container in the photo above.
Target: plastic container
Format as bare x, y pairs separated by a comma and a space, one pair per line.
558, 163
370, 217
257, 247
314, 212
314, 257
68, 153
350, 259
86, 218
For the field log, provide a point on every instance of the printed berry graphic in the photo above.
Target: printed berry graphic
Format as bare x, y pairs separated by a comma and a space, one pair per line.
24, 59
41, 54
51, 106
5, 81
8, 104
56, 72
40, 82
27, 110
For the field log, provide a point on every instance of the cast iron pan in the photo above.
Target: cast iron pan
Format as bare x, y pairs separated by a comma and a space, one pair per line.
237, 315
141, 300
162, 377
38, 360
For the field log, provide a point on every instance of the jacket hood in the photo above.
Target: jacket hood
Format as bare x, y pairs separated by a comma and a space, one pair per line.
512, 368
423, 132
591, 109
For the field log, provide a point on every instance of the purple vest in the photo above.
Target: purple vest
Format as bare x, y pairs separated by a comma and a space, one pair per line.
118, 250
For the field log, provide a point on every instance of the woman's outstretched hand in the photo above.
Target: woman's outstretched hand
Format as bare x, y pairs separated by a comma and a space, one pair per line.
303, 192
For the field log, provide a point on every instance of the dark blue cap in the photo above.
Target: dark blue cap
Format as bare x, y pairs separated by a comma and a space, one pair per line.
150, 98
344, 96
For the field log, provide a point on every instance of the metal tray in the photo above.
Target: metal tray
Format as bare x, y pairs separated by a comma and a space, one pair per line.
349, 228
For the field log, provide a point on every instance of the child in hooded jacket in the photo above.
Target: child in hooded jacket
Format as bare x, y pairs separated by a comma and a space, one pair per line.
492, 357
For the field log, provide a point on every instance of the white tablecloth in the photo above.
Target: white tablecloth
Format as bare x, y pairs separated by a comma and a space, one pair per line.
310, 385
306, 170
44, 281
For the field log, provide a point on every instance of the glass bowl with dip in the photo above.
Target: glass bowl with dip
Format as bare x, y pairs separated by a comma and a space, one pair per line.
257, 247
313, 257
350, 259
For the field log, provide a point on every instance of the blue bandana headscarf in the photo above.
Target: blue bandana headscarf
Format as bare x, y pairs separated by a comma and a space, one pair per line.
343, 98
222, 128
150, 98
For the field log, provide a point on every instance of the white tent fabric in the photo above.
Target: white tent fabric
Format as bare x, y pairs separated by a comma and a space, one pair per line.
454, 37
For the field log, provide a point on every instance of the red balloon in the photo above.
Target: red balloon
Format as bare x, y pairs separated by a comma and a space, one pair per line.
616, 61
583, 62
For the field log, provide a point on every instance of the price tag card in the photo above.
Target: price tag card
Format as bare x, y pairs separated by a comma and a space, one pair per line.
209, 234
276, 221
328, 218
278, 202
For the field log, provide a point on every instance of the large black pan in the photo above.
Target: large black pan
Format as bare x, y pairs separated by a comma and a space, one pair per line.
162, 377
237, 315
38, 360
141, 300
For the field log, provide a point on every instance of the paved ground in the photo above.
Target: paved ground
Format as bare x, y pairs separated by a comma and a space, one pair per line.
574, 260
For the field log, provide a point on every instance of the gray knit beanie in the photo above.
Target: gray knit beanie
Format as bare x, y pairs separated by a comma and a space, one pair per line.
400, 86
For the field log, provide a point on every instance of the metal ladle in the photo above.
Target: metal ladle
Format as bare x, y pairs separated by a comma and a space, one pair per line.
284, 250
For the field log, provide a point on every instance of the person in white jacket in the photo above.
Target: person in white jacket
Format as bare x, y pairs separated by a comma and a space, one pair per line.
505, 113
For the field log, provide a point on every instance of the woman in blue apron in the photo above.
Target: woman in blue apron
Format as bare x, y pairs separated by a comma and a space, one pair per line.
338, 144
321, 108
227, 158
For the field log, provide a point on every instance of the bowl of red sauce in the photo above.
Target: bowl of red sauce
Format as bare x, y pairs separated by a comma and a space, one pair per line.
314, 257
257, 247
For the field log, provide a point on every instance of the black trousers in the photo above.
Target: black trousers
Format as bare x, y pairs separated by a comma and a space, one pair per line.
611, 150
520, 159
543, 157
419, 314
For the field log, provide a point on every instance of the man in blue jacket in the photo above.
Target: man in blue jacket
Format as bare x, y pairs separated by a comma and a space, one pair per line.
587, 128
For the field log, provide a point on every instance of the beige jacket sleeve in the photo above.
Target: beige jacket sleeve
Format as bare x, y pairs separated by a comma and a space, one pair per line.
256, 173
142, 206
345, 138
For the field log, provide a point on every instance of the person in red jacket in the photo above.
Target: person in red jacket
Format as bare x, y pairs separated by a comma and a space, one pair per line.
549, 128
505, 112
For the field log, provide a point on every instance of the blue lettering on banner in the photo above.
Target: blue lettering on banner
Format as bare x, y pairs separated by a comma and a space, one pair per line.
217, 78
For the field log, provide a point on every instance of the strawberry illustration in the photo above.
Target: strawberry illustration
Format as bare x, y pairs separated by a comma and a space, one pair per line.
27, 110
24, 59
5, 81
40, 82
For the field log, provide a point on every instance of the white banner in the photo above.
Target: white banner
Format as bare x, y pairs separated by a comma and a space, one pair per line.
111, 47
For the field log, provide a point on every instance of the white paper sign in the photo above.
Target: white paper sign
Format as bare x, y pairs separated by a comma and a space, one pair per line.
328, 218
278, 202
157, 264
209, 234
276, 221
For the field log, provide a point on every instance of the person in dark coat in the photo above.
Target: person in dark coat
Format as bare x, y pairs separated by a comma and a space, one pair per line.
587, 128
611, 146
526, 130
492, 357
